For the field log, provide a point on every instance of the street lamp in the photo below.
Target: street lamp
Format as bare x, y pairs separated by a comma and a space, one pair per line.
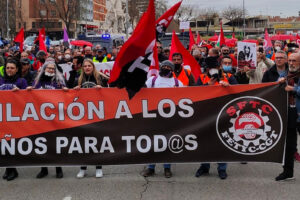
7, 21
244, 24
127, 19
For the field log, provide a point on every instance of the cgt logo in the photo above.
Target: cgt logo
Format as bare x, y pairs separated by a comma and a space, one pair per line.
249, 125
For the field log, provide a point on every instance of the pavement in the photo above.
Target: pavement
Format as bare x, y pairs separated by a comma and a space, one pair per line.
251, 181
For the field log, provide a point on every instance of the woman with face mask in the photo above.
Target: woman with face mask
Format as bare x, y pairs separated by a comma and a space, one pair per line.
91, 78
49, 78
12, 81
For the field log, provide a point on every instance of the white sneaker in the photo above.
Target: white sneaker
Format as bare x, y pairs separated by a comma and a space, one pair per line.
99, 173
81, 173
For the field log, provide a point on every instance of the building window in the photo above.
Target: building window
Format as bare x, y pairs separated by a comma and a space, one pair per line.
53, 13
42, 1
43, 12
33, 24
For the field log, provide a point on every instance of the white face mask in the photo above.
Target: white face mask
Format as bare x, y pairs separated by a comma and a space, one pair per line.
67, 56
59, 57
49, 74
213, 71
277, 48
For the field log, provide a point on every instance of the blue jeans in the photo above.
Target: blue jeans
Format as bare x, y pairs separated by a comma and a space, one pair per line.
166, 166
221, 166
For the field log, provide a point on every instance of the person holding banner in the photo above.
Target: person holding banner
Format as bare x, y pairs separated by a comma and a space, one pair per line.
292, 79
165, 79
49, 78
215, 76
12, 81
91, 78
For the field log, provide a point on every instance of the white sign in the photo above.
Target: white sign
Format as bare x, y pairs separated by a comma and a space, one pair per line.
184, 25
105, 68
247, 55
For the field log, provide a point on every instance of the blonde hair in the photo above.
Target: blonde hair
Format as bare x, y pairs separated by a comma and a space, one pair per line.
95, 73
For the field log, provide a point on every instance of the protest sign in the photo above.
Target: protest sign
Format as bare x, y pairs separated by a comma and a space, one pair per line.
247, 55
167, 125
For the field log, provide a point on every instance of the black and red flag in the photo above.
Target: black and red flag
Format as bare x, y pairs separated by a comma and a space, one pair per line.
136, 56
164, 21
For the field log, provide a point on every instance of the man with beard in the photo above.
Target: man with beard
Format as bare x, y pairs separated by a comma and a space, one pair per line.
184, 75
292, 80
41, 58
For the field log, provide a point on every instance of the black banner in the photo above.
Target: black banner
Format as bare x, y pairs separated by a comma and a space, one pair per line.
103, 127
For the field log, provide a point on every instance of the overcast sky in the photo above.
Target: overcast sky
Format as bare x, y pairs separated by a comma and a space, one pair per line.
282, 8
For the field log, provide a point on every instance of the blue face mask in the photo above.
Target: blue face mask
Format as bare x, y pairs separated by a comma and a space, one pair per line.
227, 68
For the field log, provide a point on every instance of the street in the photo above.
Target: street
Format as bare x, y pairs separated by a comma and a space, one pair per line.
250, 181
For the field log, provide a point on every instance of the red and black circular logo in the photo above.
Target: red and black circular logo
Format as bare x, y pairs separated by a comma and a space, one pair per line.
249, 125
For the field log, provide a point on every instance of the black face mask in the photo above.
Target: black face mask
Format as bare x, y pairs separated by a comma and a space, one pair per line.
42, 60
90, 56
226, 54
177, 66
165, 73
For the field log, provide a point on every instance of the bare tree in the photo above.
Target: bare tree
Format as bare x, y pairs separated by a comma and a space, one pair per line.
11, 18
233, 14
160, 7
186, 13
67, 11
208, 15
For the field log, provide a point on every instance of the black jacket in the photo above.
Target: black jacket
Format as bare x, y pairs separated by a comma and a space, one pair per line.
271, 75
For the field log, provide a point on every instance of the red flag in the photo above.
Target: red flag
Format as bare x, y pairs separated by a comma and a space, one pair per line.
198, 39
192, 40
267, 40
20, 39
298, 39
188, 59
43, 33
134, 60
42, 41
164, 21
154, 68
221, 40
233, 36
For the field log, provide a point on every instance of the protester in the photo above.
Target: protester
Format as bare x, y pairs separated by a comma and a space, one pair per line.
12, 81
88, 53
41, 58
215, 76
165, 79
184, 75
278, 70
291, 79
76, 71
161, 56
49, 78
263, 64
27, 73
90, 78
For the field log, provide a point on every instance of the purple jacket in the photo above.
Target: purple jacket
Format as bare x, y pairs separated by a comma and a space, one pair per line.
6, 84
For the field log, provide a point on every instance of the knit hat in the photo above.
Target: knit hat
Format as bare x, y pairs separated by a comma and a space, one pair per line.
41, 53
167, 63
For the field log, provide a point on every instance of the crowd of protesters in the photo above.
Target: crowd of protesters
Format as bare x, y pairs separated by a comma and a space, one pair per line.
35, 69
